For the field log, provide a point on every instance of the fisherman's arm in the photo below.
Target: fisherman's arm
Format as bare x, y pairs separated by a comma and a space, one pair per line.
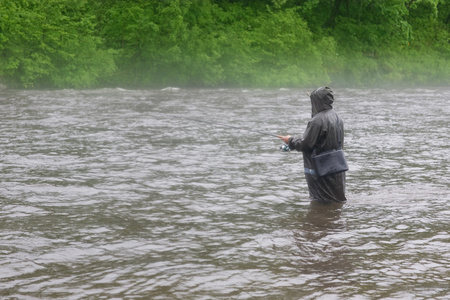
292, 142
307, 142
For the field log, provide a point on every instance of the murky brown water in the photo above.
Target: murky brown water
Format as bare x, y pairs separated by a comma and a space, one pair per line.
109, 194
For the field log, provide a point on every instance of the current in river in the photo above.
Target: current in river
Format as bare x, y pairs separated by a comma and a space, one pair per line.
174, 194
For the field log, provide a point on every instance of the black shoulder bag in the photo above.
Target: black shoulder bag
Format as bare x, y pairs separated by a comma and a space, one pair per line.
330, 162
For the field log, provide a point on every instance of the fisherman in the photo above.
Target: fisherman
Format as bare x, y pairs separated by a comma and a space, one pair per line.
321, 134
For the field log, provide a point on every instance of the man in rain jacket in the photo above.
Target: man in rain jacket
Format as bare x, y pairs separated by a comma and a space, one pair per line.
322, 135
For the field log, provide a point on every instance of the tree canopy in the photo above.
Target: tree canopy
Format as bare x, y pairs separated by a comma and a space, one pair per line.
223, 43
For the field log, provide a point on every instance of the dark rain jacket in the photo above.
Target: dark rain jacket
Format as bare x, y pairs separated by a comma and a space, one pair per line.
321, 135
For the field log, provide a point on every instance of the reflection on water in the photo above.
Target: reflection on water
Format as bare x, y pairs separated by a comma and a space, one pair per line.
321, 249
121, 194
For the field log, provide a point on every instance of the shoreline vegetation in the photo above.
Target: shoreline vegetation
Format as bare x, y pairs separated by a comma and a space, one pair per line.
228, 43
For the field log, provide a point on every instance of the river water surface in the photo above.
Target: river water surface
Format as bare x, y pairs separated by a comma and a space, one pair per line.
128, 194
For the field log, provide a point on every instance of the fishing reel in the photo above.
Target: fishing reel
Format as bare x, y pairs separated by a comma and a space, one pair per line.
285, 148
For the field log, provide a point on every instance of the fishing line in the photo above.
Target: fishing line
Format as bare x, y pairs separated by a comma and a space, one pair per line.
283, 147
234, 127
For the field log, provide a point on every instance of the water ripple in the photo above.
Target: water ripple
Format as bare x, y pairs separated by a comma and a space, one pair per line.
117, 193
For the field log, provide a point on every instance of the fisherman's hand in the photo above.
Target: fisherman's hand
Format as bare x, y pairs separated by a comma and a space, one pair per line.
285, 138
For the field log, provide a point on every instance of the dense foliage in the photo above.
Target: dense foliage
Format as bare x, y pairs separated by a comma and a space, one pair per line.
267, 43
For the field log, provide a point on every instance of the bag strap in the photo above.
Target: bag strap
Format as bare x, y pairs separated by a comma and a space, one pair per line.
339, 134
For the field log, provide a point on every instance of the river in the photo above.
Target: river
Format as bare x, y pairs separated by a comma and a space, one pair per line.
174, 194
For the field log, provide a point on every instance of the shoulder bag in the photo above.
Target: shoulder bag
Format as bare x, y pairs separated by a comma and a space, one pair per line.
330, 162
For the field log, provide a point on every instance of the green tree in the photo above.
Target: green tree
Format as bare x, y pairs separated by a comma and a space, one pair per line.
149, 43
50, 43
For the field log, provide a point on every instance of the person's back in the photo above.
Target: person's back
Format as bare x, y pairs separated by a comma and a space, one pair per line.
324, 132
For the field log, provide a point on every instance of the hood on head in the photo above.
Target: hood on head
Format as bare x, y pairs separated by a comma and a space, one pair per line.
321, 99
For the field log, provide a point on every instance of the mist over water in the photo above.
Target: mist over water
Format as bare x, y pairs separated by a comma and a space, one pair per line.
118, 193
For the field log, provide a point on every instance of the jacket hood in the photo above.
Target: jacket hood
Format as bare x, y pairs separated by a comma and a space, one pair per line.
321, 99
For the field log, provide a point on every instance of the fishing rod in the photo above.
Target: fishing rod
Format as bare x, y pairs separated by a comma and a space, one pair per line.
234, 127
